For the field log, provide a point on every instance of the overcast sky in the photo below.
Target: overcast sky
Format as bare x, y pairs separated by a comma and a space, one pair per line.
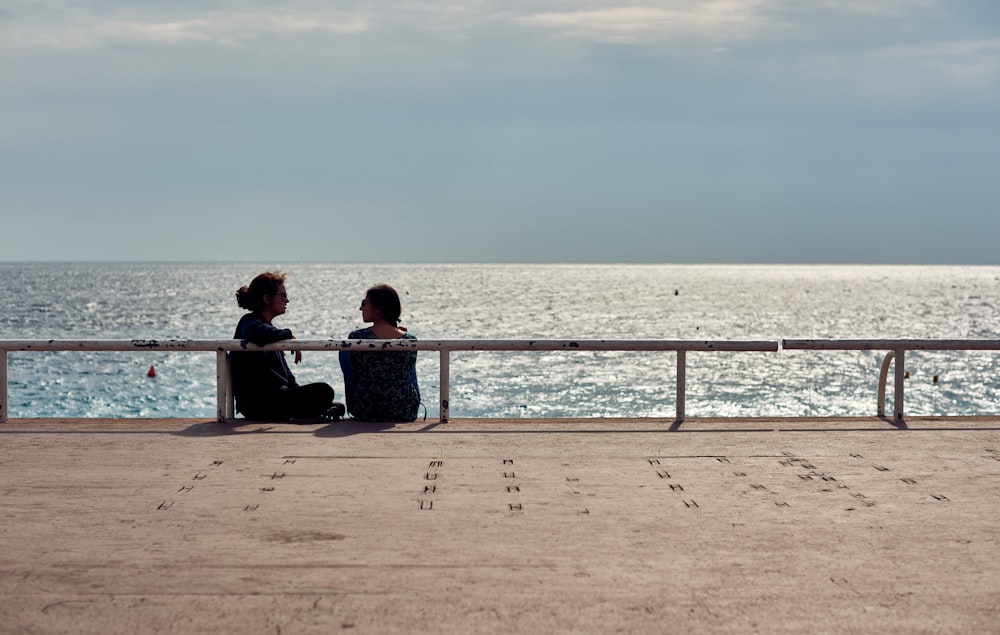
501, 130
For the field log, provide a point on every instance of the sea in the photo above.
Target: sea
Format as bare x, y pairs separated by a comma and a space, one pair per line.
519, 301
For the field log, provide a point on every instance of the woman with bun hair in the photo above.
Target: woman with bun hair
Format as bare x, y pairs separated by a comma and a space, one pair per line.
381, 386
264, 386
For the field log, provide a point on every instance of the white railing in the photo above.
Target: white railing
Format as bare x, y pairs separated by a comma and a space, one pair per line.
897, 354
225, 409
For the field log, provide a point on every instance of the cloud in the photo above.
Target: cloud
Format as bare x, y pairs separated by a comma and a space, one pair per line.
715, 20
877, 8
712, 20
55, 25
942, 50
230, 28
964, 61
75, 29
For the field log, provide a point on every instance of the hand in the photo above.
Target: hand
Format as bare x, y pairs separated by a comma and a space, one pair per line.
298, 356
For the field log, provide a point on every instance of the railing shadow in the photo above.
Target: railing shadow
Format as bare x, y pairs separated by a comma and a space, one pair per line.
899, 425
349, 427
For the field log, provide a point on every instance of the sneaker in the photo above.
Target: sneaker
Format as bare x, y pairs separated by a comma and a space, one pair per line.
336, 412
333, 413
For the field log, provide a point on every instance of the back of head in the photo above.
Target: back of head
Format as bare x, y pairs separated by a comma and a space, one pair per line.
251, 296
385, 299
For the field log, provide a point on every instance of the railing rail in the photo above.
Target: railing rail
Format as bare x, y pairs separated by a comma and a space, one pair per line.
225, 410
897, 354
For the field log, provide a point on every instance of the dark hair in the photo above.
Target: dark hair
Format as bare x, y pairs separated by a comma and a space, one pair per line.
386, 301
251, 297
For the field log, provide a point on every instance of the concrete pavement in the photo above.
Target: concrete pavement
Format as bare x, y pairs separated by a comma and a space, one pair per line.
846, 525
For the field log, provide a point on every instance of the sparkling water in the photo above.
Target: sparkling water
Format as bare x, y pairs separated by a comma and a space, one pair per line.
513, 301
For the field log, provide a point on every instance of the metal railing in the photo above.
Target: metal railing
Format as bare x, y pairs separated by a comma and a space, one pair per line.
897, 354
224, 397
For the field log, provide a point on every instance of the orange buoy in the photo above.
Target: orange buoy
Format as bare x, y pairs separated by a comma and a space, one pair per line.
151, 373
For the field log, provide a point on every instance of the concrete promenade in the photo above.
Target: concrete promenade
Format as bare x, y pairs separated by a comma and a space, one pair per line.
846, 525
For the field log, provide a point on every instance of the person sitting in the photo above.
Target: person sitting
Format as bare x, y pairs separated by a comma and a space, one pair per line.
381, 386
264, 386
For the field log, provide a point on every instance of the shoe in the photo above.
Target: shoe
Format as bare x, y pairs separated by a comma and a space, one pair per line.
333, 413
336, 412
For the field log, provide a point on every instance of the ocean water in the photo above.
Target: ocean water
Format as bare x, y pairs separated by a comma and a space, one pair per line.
501, 301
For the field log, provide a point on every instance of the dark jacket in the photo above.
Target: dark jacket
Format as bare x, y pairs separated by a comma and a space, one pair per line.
258, 374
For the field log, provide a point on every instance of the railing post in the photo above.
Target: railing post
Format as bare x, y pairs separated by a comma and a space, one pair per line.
897, 404
445, 372
882, 376
223, 387
681, 383
3, 385
230, 395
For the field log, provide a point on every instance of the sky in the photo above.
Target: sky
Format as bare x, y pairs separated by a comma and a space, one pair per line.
664, 131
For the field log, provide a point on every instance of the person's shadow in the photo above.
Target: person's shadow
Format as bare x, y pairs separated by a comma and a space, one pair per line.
350, 427
340, 428
234, 426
